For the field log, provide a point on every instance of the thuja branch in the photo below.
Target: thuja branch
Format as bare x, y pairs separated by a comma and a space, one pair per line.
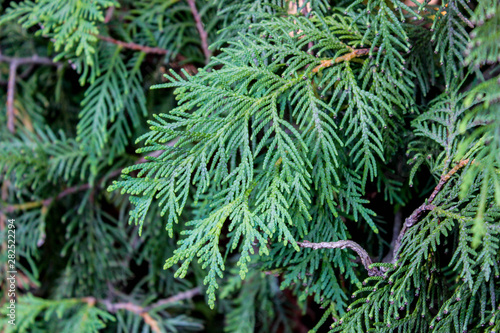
133, 46
396, 228
34, 59
138, 310
62, 194
346, 57
201, 30
11, 87
425, 207
14, 63
176, 298
363, 255
446, 177
409, 222
78, 188
149, 50
109, 14
143, 311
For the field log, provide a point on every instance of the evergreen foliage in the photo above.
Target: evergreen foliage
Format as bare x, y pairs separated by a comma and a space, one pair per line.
337, 157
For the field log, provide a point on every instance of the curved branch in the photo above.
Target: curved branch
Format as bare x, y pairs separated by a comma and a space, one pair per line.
188, 294
346, 57
133, 46
427, 206
142, 311
202, 32
342, 244
14, 63
179, 58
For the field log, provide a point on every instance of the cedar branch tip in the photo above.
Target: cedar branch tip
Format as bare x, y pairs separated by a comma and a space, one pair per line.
346, 57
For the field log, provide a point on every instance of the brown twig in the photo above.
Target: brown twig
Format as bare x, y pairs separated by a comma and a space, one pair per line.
398, 221
425, 207
133, 46
446, 177
409, 222
11, 86
109, 14
179, 58
114, 307
201, 30
188, 294
35, 59
143, 311
363, 255
305, 12
14, 63
346, 57
26, 72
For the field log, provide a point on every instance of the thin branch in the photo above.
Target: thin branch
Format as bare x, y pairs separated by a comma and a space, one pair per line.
188, 294
133, 46
113, 307
65, 192
35, 59
459, 14
14, 63
363, 255
48, 201
26, 72
151, 50
201, 30
143, 311
398, 221
68, 191
409, 222
425, 207
446, 177
109, 14
346, 57
82, 187
11, 86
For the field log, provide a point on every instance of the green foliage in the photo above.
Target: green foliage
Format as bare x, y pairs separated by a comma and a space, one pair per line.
257, 297
425, 290
78, 316
116, 97
71, 24
75, 123
451, 38
373, 122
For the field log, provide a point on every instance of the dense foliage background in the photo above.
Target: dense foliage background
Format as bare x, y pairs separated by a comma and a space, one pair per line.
298, 165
